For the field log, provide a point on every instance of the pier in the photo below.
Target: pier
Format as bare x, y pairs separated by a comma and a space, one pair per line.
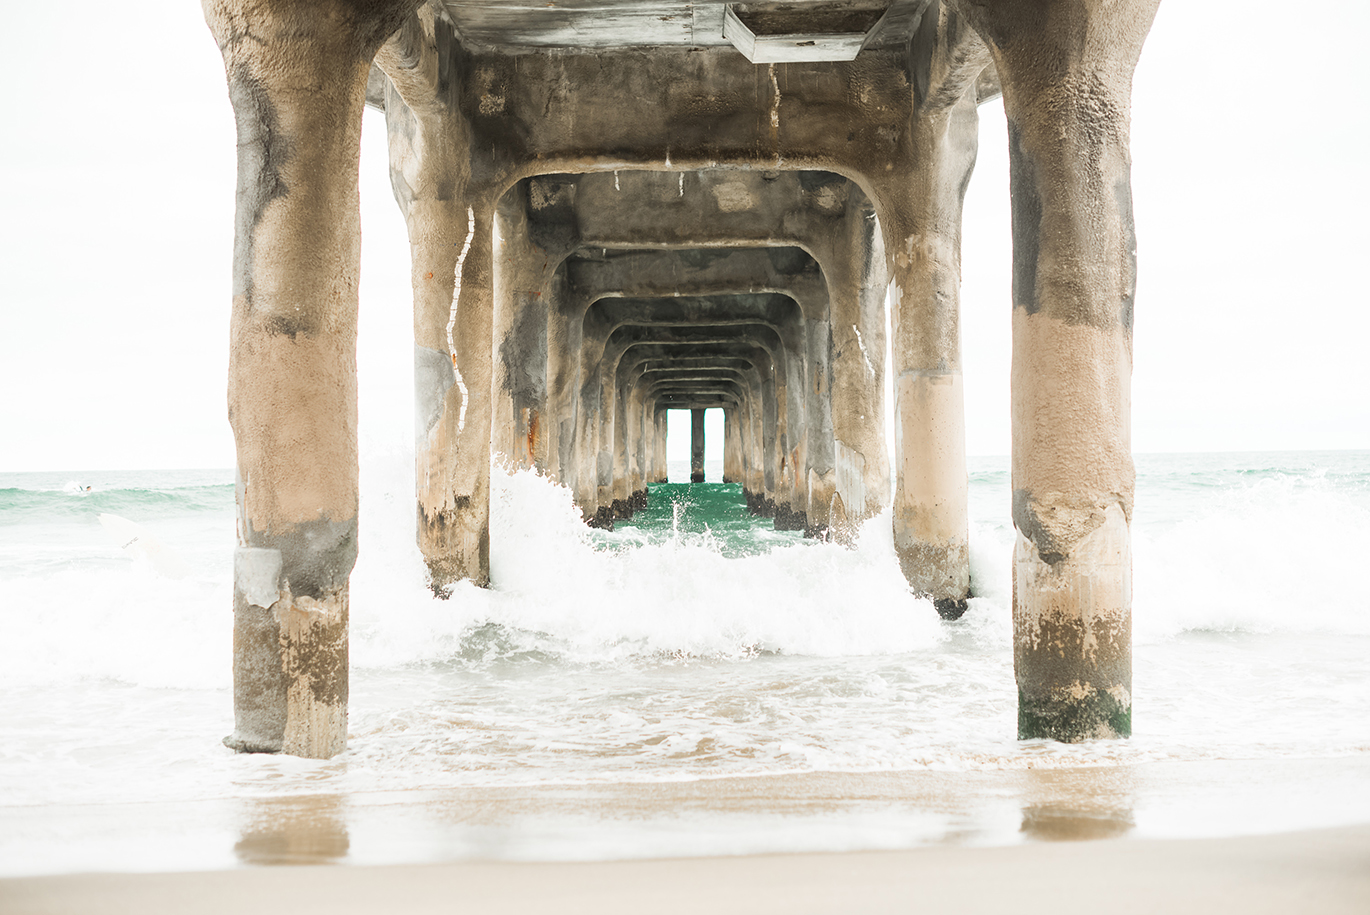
624, 208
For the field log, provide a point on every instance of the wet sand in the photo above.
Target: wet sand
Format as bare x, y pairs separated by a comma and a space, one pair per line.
1208, 836
1324, 871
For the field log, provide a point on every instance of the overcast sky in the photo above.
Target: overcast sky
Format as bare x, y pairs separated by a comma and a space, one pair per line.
116, 188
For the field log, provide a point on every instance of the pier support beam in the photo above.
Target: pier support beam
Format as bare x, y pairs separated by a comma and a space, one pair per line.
523, 283
852, 422
931, 521
297, 80
1066, 71
450, 224
696, 446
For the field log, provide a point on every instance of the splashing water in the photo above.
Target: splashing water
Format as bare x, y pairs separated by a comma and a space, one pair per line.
691, 642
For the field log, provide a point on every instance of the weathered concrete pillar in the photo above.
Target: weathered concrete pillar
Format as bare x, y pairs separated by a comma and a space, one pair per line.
660, 473
584, 486
854, 453
450, 222
793, 461
731, 447
754, 484
297, 80
1066, 70
523, 278
621, 462
931, 522
696, 446
453, 472
819, 482
639, 449
563, 345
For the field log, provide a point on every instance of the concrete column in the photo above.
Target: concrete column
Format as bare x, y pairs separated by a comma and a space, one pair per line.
820, 473
696, 446
518, 394
620, 449
588, 416
603, 462
754, 485
656, 463
296, 78
453, 369
450, 222
931, 524
855, 361
873, 468
563, 344
730, 445
633, 441
793, 462
606, 436
661, 473
1074, 271
644, 435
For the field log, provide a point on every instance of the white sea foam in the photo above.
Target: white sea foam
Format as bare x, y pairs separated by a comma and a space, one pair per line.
645, 658
1280, 554
590, 604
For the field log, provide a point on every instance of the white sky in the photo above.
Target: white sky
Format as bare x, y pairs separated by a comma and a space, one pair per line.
116, 188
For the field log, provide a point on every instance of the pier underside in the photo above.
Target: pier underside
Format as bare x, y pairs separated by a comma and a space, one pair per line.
624, 208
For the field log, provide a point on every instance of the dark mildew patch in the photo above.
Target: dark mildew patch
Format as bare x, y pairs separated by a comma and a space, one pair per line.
790, 260
292, 325
1096, 716
432, 380
1026, 219
523, 351
259, 684
316, 556
263, 150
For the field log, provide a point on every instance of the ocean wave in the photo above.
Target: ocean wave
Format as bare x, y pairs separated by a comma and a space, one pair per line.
26, 506
599, 600
663, 655
1279, 554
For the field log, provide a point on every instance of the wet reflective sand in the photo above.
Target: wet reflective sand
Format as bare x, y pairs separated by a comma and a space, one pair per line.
736, 816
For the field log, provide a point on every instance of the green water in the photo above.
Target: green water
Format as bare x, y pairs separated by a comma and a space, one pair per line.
714, 514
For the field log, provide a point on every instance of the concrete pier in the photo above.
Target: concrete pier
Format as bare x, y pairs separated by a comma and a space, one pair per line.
696, 446
297, 88
450, 237
931, 527
1074, 278
623, 209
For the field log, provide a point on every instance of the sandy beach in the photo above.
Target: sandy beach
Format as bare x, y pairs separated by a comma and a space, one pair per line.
1325, 871
1215, 836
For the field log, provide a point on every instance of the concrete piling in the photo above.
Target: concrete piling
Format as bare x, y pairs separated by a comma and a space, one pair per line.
297, 83
450, 223
696, 446
1074, 273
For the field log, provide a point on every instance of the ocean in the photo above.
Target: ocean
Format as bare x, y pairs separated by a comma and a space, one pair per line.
609, 678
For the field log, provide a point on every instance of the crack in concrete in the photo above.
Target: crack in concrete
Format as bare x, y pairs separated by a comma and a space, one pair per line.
452, 317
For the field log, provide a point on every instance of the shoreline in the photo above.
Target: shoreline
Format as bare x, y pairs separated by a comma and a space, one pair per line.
816, 812
1326, 870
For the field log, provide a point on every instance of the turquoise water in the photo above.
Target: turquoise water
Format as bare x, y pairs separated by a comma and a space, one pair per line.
692, 642
713, 513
